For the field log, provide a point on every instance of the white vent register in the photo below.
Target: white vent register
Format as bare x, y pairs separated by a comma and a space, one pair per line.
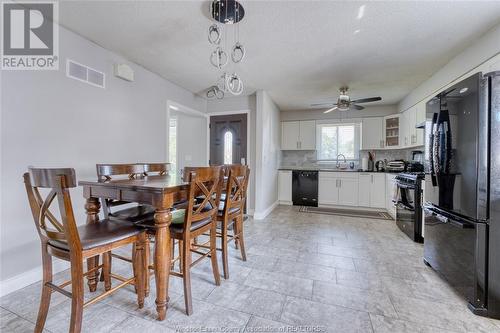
85, 74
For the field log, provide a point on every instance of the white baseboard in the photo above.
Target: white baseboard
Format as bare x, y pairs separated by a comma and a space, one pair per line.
25, 279
261, 215
250, 211
286, 203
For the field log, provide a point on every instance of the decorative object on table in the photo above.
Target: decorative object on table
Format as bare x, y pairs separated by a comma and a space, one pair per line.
226, 13
344, 102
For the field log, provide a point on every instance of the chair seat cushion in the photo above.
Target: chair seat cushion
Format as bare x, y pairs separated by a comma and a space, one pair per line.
134, 214
101, 233
232, 211
179, 228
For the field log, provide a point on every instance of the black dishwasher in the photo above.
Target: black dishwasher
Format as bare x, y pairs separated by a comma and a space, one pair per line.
305, 188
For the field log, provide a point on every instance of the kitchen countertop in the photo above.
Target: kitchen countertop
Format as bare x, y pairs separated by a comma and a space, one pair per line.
327, 169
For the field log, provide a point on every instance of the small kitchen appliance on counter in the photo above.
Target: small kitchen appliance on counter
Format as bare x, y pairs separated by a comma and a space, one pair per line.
395, 166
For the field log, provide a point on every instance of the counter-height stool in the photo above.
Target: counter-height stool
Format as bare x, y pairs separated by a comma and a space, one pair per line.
61, 238
192, 221
230, 214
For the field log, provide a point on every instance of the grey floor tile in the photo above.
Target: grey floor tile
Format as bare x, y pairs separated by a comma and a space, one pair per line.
383, 324
365, 300
258, 324
205, 316
447, 316
388, 269
25, 302
280, 283
10, 322
248, 299
99, 317
136, 324
328, 318
326, 260
305, 271
366, 280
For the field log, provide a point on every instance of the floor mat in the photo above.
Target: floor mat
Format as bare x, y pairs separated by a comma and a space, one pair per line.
346, 212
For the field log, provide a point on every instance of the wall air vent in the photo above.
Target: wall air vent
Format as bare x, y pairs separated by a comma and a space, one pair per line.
85, 74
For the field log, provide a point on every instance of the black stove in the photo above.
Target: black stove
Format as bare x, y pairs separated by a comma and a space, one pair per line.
408, 203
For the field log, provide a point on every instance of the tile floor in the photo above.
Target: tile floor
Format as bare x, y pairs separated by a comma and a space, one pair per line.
317, 273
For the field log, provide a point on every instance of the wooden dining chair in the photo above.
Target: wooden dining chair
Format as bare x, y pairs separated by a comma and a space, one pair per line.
231, 212
136, 213
195, 220
64, 240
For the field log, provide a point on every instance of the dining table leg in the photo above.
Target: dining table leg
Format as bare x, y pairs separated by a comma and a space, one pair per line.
163, 218
92, 208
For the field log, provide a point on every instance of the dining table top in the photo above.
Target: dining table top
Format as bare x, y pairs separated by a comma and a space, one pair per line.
163, 183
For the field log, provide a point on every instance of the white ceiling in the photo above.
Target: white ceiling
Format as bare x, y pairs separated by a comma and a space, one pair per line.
301, 52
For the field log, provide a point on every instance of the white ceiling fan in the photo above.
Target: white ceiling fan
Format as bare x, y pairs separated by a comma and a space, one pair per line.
344, 102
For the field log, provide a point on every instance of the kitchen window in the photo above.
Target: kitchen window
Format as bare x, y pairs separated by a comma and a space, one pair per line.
334, 139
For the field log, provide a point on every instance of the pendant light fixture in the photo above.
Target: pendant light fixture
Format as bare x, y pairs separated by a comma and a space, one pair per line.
226, 14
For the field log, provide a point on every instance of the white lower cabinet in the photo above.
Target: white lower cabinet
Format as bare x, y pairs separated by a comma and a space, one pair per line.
285, 186
390, 189
371, 188
328, 191
338, 188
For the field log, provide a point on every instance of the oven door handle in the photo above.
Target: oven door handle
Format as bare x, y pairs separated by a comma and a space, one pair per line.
402, 205
405, 186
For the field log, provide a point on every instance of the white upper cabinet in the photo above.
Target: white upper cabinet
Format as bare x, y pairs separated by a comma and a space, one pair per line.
298, 135
420, 118
372, 133
290, 135
307, 135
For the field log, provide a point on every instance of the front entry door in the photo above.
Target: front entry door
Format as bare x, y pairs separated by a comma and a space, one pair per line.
228, 139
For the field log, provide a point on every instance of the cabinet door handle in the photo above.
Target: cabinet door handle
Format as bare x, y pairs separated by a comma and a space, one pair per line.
300, 144
297, 144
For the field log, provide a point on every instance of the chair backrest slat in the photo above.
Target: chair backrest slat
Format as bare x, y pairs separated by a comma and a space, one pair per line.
236, 187
105, 172
156, 168
58, 181
202, 181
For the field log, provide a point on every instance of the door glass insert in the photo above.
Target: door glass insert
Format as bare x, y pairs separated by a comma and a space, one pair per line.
228, 147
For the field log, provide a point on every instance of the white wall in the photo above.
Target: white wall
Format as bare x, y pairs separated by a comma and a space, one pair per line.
48, 119
268, 133
317, 114
238, 104
483, 55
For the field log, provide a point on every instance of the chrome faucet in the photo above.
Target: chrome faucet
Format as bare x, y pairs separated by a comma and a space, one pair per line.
345, 160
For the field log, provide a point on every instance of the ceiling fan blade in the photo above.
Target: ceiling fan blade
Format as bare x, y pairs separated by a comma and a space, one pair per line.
330, 110
358, 107
366, 100
319, 104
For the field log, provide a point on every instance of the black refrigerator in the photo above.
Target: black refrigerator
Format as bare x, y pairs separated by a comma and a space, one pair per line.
462, 190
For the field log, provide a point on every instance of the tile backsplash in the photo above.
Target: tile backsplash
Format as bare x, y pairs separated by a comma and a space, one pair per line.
306, 158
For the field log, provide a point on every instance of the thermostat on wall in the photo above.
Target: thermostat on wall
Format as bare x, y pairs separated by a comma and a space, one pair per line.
124, 71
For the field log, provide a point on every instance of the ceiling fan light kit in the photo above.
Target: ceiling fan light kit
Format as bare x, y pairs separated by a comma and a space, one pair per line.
344, 102
225, 13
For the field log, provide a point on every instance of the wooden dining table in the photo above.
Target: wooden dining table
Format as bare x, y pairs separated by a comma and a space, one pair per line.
161, 192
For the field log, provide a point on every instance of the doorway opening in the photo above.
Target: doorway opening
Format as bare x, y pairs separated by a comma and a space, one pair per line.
228, 139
